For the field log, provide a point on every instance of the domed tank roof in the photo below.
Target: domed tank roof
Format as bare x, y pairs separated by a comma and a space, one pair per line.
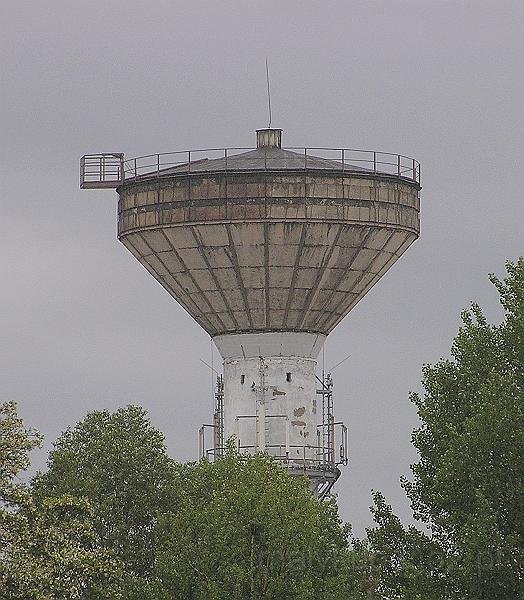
268, 155
272, 159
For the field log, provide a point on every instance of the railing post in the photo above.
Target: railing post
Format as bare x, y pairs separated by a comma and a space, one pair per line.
414, 170
122, 169
346, 445
225, 176
158, 165
135, 169
237, 432
374, 162
304, 459
189, 178
398, 165
343, 160
201, 448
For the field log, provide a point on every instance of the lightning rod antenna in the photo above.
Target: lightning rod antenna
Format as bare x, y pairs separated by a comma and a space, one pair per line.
268, 94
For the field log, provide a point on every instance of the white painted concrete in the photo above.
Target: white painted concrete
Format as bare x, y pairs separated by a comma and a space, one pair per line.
270, 400
286, 343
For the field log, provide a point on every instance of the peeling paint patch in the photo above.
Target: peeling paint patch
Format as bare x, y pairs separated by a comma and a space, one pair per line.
298, 412
278, 392
299, 423
314, 410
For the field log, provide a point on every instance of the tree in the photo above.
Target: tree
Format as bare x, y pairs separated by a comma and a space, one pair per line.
118, 461
467, 485
48, 550
241, 527
395, 562
245, 528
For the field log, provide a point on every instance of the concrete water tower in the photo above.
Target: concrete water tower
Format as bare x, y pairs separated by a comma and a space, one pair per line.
268, 249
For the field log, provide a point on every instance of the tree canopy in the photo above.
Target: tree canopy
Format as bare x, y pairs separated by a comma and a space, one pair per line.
49, 550
119, 462
241, 527
246, 528
467, 487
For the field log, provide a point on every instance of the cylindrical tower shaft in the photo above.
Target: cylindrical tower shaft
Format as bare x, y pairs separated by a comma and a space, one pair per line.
270, 400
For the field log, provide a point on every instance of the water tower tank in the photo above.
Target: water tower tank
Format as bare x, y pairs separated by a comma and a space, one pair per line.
268, 249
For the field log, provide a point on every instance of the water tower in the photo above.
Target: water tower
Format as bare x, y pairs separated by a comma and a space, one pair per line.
268, 249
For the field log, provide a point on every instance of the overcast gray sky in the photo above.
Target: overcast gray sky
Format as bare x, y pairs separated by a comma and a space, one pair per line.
83, 326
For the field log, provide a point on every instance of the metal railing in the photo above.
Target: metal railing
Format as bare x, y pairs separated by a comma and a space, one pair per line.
101, 170
301, 460
188, 161
111, 170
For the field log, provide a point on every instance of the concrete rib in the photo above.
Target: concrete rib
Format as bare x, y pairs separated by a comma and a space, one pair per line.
234, 260
189, 274
373, 282
365, 271
168, 286
266, 269
295, 272
323, 317
201, 246
315, 289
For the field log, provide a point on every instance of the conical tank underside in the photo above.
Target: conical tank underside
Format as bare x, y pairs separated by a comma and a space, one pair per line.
268, 249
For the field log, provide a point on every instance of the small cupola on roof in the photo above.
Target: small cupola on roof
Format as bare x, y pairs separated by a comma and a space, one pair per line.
269, 138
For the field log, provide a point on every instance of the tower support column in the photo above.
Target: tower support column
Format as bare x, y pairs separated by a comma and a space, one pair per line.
270, 399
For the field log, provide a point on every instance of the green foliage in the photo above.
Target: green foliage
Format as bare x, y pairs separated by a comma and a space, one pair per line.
467, 485
242, 527
119, 462
15, 444
49, 550
246, 528
402, 563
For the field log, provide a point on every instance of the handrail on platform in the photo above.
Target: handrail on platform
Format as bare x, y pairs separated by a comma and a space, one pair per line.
108, 170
